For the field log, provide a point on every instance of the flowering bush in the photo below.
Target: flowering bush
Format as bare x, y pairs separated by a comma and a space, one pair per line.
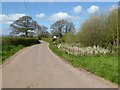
75, 50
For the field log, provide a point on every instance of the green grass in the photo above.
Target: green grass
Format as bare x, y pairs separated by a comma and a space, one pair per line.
10, 45
103, 66
9, 50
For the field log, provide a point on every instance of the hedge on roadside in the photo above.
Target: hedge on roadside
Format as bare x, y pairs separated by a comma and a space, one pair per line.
19, 41
10, 45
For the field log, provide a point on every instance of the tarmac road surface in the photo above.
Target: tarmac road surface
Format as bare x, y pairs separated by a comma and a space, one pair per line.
37, 67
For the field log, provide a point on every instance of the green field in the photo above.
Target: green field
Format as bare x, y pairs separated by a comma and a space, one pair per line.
103, 66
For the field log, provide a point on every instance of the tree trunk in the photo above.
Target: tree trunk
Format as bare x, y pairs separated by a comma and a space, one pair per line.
26, 34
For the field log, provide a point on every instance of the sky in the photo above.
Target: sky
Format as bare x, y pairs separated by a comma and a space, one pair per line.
46, 13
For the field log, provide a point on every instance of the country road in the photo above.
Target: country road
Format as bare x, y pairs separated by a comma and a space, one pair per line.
38, 67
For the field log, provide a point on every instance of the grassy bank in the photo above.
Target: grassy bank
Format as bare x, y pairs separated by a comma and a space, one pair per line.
103, 66
10, 45
9, 50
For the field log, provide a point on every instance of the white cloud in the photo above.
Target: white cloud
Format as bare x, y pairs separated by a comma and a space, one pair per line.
8, 19
77, 9
62, 15
40, 16
93, 9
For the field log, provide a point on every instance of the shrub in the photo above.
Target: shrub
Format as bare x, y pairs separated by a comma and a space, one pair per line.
58, 41
49, 40
101, 30
69, 38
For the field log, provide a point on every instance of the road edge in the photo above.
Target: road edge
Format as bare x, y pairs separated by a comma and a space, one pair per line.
83, 70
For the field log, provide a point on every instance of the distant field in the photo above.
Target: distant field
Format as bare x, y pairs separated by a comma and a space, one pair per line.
103, 66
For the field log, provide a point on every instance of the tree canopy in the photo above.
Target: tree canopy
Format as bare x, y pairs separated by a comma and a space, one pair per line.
24, 25
61, 27
42, 32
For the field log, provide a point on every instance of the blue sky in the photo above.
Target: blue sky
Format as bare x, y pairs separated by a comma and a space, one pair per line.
46, 13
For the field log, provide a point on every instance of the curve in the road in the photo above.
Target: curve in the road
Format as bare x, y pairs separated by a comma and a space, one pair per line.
38, 67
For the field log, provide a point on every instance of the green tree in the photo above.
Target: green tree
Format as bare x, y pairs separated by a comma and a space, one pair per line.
102, 30
62, 27
69, 38
92, 30
58, 25
112, 28
23, 25
69, 27
42, 32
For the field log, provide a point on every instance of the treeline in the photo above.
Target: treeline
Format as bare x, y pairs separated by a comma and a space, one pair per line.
98, 30
101, 30
27, 27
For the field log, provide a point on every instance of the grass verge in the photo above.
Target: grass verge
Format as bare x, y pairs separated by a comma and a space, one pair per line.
9, 50
103, 66
10, 45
